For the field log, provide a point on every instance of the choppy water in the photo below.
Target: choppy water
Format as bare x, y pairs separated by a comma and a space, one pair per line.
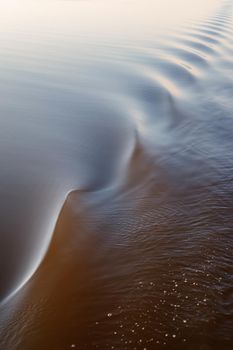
116, 180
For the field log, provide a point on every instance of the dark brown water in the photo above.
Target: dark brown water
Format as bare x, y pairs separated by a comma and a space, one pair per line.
116, 182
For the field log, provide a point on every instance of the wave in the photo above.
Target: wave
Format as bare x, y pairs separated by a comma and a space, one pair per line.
164, 81
155, 99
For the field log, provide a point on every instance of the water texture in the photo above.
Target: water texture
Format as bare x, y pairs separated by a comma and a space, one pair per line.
116, 182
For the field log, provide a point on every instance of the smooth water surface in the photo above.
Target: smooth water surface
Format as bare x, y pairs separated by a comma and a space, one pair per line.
116, 181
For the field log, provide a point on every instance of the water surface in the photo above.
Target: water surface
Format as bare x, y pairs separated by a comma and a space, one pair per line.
116, 175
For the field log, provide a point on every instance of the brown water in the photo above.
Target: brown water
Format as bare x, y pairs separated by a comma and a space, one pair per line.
116, 180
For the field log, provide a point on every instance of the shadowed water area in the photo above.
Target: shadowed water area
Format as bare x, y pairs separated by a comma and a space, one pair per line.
116, 181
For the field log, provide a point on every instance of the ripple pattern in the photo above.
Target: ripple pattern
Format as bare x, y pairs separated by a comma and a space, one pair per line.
141, 254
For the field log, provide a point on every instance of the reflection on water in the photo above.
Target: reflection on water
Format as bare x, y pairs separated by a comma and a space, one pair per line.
116, 175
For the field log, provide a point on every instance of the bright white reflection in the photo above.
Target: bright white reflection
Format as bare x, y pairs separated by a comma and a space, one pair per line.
100, 16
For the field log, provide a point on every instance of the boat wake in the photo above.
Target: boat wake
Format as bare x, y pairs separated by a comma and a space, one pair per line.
155, 196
